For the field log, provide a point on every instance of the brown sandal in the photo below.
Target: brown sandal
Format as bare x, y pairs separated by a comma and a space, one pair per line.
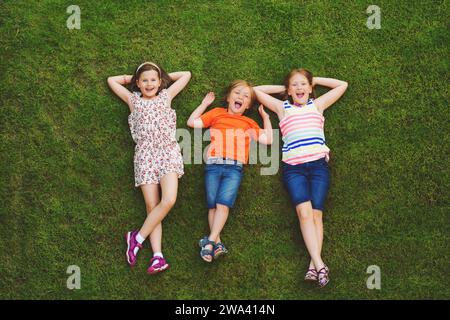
323, 277
311, 275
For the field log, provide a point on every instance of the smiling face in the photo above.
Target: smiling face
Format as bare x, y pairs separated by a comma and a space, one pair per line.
149, 83
299, 88
239, 99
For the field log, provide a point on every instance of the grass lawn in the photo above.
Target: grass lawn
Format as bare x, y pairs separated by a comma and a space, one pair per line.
67, 191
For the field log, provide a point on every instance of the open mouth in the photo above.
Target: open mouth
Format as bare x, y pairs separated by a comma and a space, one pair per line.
300, 95
237, 105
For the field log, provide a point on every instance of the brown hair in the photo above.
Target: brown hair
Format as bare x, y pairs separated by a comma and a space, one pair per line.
238, 83
305, 72
147, 66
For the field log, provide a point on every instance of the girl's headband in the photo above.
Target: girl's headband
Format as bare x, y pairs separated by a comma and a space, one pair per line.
150, 63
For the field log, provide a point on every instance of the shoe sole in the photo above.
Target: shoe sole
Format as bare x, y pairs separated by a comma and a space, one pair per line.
155, 271
310, 280
203, 258
219, 254
127, 238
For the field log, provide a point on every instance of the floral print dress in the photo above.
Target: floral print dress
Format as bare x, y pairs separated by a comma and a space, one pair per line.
153, 127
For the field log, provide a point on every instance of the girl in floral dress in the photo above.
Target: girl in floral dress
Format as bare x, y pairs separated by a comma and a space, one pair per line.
158, 163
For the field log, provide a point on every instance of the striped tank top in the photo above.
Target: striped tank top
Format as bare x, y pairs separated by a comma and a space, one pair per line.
302, 132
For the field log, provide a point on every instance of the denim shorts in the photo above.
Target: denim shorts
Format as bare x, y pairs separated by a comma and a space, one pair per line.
307, 182
222, 183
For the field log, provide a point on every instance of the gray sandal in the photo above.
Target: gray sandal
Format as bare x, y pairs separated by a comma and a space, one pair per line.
219, 250
206, 252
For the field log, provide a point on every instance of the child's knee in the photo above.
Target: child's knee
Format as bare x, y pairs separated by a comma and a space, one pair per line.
168, 201
150, 206
306, 216
222, 208
304, 212
318, 215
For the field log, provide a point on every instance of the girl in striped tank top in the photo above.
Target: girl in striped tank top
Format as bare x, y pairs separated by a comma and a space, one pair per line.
305, 155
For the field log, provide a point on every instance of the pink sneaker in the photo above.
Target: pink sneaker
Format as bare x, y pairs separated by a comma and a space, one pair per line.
160, 266
132, 243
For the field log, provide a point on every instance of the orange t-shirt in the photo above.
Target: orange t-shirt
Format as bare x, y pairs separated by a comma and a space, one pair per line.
230, 134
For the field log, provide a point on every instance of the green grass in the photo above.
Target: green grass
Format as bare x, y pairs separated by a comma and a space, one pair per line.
66, 154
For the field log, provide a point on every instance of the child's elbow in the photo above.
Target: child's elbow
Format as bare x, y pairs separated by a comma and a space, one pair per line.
345, 84
266, 140
190, 123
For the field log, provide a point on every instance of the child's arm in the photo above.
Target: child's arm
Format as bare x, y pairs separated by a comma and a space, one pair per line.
271, 89
181, 79
267, 136
338, 88
270, 102
117, 83
194, 120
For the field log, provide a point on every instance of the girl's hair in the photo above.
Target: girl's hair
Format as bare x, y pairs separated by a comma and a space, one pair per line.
305, 72
238, 83
147, 66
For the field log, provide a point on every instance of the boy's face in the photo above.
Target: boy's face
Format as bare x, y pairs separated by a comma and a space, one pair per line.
149, 83
239, 100
299, 89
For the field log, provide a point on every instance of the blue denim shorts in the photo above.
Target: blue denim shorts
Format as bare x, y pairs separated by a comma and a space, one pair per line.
222, 183
307, 182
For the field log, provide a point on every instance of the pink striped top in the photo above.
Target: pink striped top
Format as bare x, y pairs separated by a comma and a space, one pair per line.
303, 135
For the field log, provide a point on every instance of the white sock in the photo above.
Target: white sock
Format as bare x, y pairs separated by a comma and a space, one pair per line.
157, 254
139, 238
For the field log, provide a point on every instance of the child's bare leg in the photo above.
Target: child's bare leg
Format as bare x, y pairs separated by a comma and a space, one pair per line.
152, 199
220, 217
317, 214
308, 229
156, 238
169, 189
211, 215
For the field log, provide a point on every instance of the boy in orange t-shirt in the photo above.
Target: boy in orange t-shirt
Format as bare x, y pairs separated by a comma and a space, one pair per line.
231, 133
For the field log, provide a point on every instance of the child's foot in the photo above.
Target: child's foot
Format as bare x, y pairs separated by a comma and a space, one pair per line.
207, 246
311, 275
219, 250
133, 247
159, 266
323, 276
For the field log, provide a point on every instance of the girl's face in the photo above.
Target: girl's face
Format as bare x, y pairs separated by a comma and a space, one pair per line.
149, 83
299, 88
239, 100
